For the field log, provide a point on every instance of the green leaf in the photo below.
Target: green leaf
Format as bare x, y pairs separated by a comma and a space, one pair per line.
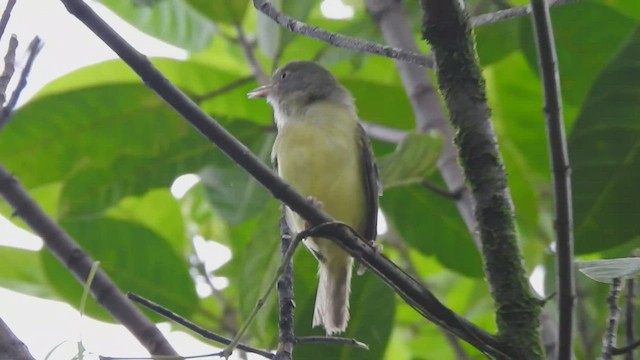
235, 195
432, 225
173, 21
21, 270
255, 248
160, 212
137, 260
413, 160
496, 41
93, 189
580, 57
228, 11
607, 270
372, 315
604, 147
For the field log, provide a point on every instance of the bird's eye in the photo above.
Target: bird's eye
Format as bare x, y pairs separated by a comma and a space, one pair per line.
283, 75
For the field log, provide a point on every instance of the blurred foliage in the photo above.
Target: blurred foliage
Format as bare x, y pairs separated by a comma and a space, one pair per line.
99, 151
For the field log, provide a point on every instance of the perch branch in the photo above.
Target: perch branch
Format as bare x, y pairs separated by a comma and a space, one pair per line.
332, 339
70, 254
446, 26
411, 291
548, 63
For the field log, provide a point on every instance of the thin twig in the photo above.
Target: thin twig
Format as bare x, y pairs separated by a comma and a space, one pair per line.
79, 263
630, 317
6, 14
286, 262
418, 297
7, 111
510, 13
250, 55
453, 195
610, 334
338, 40
9, 68
224, 89
286, 300
193, 327
548, 62
331, 339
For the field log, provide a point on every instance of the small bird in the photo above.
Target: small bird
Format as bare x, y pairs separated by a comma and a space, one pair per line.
323, 152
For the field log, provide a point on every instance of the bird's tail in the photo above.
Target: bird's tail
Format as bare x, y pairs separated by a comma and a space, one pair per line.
332, 300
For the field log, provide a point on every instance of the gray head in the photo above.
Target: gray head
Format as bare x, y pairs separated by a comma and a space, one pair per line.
299, 84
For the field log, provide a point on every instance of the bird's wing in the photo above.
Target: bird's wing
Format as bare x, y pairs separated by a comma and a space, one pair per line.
372, 186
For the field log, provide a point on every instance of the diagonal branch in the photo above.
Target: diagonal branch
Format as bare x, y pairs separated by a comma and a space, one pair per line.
446, 26
10, 346
9, 68
70, 254
511, 13
548, 62
338, 40
421, 299
6, 14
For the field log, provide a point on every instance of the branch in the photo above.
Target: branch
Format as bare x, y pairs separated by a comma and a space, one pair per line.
250, 55
7, 110
286, 304
630, 318
338, 40
193, 327
9, 68
447, 28
70, 254
548, 63
10, 346
511, 13
408, 288
627, 349
429, 113
6, 14
383, 133
610, 334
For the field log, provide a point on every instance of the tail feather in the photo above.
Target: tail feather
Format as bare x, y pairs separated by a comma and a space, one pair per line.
332, 299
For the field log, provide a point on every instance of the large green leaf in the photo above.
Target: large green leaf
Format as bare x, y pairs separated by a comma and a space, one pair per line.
21, 270
414, 159
372, 315
432, 225
580, 57
234, 194
604, 147
160, 212
228, 11
173, 21
497, 40
137, 259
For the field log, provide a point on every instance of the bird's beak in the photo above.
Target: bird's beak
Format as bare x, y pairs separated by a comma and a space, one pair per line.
261, 92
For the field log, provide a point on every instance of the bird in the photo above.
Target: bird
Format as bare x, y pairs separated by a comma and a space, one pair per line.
322, 151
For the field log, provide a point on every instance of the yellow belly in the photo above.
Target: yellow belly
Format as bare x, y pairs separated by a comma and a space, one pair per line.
320, 157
